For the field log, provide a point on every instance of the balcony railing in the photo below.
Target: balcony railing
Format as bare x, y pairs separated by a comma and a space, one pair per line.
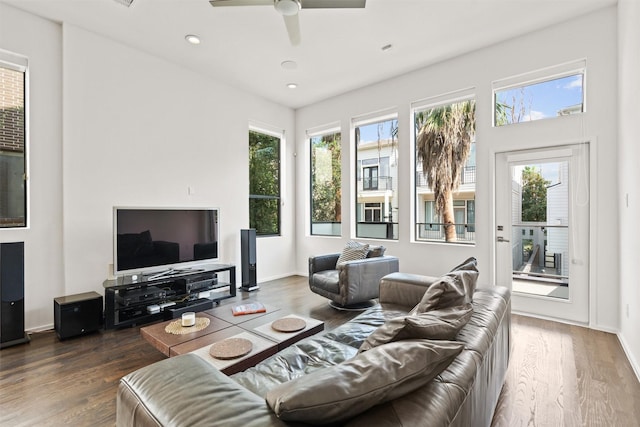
380, 183
377, 230
468, 177
434, 231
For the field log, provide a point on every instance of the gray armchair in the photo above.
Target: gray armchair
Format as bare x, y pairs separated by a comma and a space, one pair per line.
351, 283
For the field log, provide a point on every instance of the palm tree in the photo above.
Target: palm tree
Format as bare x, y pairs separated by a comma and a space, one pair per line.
442, 146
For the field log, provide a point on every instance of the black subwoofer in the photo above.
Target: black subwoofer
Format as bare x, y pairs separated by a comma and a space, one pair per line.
12, 294
76, 315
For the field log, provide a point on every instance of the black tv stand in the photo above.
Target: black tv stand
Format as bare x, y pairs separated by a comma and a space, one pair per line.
138, 299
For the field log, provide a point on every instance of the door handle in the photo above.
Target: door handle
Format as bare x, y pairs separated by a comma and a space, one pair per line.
501, 239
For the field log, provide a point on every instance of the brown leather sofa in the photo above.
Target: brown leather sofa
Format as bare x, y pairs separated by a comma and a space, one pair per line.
188, 391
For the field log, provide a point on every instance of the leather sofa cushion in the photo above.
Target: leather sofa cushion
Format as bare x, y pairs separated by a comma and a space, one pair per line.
452, 289
376, 251
327, 280
441, 324
342, 391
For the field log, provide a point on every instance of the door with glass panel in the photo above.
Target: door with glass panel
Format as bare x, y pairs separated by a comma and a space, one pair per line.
542, 230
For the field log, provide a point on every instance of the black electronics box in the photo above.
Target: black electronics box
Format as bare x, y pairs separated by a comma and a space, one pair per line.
193, 305
78, 314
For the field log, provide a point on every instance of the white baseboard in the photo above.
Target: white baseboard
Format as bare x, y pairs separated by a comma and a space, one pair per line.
632, 361
42, 328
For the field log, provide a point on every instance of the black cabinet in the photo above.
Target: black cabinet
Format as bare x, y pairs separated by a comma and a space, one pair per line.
138, 299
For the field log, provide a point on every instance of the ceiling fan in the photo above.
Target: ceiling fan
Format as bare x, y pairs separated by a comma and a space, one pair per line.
289, 10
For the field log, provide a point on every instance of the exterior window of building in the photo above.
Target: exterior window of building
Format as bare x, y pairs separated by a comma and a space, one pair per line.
326, 184
373, 212
445, 171
13, 187
540, 95
370, 179
264, 183
376, 141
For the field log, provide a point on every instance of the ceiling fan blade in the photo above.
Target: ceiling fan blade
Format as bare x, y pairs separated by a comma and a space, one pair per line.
293, 28
332, 4
216, 3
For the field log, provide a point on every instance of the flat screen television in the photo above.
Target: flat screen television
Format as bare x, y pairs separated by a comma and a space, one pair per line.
151, 240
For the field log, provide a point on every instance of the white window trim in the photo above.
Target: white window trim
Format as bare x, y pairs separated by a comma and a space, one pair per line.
316, 131
542, 75
277, 132
453, 97
20, 63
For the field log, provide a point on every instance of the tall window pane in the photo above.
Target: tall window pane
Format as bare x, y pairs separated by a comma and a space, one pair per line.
445, 172
326, 181
264, 183
13, 192
377, 179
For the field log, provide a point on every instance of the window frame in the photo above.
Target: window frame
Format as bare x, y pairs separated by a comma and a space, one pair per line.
20, 64
543, 75
280, 135
311, 134
392, 228
458, 96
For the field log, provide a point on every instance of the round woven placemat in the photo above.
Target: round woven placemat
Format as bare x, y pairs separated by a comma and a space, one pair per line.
289, 324
231, 348
176, 327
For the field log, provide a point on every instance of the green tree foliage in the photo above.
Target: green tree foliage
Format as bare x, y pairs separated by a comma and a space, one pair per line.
534, 195
264, 183
326, 178
442, 146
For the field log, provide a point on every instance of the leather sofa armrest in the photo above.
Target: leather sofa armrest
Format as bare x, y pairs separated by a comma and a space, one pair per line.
188, 391
363, 276
322, 263
404, 289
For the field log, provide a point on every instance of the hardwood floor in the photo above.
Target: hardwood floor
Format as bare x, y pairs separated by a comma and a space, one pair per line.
558, 375
564, 375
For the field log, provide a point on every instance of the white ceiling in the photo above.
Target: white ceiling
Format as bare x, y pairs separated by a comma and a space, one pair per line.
340, 49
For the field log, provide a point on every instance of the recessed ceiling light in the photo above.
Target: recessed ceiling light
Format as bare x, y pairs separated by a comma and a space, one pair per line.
289, 65
292, 85
386, 47
193, 39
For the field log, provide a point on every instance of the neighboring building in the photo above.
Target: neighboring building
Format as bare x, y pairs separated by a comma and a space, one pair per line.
377, 189
429, 224
543, 247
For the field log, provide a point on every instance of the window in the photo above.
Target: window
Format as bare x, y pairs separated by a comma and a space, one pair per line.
376, 141
264, 183
445, 170
370, 178
373, 212
326, 184
13, 188
540, 95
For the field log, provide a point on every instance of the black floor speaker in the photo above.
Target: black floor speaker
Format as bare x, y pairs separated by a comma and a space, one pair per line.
12, 294
248, 259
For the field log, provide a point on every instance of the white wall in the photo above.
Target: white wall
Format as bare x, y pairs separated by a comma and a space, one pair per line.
138, 131
592, 37
111, 125
629, 177
40, 41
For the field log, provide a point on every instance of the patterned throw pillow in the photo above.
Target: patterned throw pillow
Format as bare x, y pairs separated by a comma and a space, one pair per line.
353, 251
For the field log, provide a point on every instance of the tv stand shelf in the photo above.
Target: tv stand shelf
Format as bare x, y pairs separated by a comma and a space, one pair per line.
134, 300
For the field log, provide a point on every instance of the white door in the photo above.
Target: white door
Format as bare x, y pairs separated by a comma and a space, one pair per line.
542, 230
